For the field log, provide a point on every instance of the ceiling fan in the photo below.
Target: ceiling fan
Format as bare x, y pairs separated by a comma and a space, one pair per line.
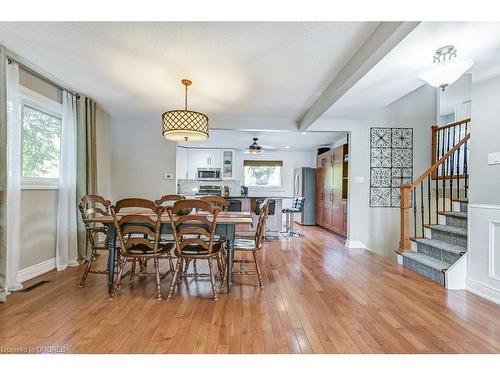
255, 148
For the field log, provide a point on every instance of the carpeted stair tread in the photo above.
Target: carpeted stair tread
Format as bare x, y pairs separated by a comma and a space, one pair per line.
426, 260
441, 245
458, 214
449, 229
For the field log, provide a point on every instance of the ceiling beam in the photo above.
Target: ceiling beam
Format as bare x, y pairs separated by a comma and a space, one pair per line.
385, 37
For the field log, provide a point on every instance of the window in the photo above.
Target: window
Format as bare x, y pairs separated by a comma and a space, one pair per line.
263, 173
41, 141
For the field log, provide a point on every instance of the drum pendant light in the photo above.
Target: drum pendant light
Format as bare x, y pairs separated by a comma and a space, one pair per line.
183, 125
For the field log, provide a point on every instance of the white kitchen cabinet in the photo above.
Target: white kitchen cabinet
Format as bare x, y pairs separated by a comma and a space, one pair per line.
208, 158
228, 164
191, 159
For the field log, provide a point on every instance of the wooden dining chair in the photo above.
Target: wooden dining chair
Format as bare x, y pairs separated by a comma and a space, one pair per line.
254, 245
223, 205
139, 237
146, 206
169, 199
96, 234
194, 235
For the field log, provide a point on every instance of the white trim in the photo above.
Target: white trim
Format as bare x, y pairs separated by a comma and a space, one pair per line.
355, 244
486, 206
36, 270
491, 248
483, 290
400, 259
33, 98
456, 275
39, 187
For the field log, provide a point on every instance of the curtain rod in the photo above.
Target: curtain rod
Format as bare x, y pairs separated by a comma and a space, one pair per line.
11, 56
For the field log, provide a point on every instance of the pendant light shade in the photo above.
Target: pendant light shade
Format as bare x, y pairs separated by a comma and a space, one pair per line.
446, 69
183, 125
254, 148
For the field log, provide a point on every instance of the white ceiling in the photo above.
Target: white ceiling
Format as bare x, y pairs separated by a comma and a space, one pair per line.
243, 70
246, 75
397, 73
270, 140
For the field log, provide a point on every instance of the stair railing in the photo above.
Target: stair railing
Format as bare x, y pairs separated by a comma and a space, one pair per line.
434, 190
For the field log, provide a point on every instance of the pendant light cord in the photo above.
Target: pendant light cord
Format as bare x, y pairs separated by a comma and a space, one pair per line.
186, 98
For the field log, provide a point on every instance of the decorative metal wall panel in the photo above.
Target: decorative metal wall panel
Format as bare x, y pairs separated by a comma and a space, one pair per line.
391, 164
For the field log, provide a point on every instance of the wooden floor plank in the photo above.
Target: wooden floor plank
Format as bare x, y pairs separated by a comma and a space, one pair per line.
319, 297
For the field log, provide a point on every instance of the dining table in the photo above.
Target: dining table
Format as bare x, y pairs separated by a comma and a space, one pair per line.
225, 227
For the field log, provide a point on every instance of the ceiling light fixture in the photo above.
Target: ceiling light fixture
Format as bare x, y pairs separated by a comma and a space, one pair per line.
182, 125
254, 148
446, 68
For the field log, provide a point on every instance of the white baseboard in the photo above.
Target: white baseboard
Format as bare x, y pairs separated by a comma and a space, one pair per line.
355, 244
483, 290
36, 270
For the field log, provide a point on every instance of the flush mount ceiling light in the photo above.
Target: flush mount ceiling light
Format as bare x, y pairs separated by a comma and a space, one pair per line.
182, 125
254, 148
446, 68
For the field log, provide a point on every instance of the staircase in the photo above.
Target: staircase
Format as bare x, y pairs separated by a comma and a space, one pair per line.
443, 245
434, 239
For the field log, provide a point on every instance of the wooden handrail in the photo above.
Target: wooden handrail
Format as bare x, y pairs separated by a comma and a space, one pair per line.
404, 242
436, 128
438, 163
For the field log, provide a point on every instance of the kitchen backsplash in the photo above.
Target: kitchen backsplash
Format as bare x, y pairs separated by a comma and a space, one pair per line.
190, 187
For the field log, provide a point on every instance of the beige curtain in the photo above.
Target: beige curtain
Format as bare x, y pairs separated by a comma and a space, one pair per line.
87, 163
3, 174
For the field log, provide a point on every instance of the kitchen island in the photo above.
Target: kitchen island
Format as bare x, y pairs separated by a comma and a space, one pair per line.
274, 222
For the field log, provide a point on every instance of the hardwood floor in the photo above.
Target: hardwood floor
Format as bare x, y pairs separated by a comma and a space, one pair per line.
319, 297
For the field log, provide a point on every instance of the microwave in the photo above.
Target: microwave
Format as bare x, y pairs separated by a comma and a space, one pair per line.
208, 174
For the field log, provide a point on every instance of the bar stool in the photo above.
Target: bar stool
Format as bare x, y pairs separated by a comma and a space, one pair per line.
297, 207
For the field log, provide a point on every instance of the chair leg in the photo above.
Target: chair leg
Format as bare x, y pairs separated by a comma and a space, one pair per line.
220, 266
170, 262
157, 269
212, 278
132, 271
181, 267
87, 268
119, 276
224, 271
174, 278
257, 269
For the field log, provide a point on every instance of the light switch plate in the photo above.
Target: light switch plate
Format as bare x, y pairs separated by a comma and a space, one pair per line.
493, 158
359, 180
168, 176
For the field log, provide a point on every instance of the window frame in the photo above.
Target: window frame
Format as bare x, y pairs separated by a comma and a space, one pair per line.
30, 98
264, 188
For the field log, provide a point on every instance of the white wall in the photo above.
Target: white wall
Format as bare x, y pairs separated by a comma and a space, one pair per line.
484, 192
378, 228
291, 160
140, 157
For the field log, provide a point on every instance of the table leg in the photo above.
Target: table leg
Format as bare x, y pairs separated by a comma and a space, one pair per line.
111, 257
230, 254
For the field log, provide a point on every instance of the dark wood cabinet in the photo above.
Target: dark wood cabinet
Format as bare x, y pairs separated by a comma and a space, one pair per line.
331, 189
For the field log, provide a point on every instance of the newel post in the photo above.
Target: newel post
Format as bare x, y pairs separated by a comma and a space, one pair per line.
404, 242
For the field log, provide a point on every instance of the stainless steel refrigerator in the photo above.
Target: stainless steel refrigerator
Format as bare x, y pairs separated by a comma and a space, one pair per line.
304, 185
